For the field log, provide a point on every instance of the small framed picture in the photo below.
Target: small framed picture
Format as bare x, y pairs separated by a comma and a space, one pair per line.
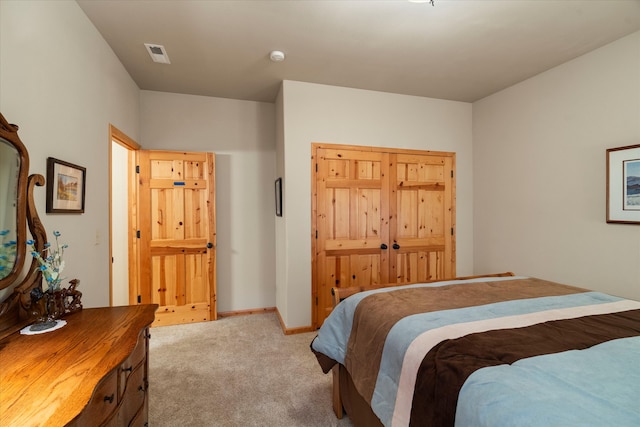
65, 187
623, 185
279, 197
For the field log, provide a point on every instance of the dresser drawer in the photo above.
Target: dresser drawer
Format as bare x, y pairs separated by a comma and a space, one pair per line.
140, 419
134, 396
133, 362
139, 353
102, 404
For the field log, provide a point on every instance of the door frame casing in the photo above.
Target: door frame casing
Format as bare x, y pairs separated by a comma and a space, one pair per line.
122, 139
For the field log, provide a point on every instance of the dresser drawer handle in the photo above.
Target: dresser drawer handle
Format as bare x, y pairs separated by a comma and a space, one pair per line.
109, 398
129, 369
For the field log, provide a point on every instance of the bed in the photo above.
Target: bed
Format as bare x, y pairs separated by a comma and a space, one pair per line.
498, 350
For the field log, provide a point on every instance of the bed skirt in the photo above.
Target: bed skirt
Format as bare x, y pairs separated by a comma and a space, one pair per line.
357, 409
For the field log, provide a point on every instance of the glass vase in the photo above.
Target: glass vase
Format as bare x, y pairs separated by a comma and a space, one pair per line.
47, 307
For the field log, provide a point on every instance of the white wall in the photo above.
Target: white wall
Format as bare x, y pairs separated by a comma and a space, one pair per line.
242, 135
329, 114
63, 85
539, 172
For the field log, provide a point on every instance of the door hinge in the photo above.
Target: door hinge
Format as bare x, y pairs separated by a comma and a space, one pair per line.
316, 167
452, 231
137, 168
316, 300
139, 299
138, 234
452, 174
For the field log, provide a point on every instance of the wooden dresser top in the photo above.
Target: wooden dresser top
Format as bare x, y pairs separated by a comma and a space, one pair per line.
48, 379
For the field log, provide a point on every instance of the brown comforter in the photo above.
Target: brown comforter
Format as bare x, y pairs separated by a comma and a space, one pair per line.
447, 364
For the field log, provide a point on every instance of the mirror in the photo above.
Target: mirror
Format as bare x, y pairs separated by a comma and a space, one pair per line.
14, 164
9, 170
17, 209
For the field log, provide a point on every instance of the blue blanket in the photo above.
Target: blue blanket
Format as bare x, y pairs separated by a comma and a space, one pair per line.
598, 386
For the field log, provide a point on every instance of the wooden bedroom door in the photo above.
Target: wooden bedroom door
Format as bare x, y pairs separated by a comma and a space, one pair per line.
177, 235
380, 216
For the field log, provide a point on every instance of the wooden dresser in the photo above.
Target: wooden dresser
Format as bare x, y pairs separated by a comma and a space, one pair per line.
93, 371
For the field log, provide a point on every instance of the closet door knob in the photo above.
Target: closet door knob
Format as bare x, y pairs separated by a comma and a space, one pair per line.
396, 246
383, 246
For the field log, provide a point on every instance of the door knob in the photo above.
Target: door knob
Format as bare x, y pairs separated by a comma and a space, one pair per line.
383, 246
396, 246
209, 245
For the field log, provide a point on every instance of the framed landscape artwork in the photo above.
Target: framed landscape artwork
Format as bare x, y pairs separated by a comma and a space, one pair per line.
65, 187
623, 185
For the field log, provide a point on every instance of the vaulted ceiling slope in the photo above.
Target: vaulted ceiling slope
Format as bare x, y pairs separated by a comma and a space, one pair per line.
460, 50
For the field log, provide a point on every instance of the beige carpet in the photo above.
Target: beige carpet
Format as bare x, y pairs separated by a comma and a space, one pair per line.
236, 371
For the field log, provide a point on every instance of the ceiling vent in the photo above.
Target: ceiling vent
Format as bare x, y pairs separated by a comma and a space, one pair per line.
158, 53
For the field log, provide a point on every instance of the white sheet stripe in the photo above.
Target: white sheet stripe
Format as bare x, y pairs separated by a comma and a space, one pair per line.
426, 341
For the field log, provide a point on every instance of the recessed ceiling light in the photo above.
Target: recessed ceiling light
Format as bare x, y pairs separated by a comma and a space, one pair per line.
158, 53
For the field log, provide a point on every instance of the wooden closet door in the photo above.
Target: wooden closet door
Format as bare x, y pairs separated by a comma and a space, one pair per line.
177, 235
380, 216
422, 217
352, 222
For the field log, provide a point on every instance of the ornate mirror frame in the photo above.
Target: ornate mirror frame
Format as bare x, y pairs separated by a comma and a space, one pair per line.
14, 310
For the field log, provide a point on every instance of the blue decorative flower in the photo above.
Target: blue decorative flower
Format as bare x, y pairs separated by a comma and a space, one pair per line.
51, 262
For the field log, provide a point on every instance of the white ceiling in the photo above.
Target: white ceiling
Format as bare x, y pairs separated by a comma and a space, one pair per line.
460, 50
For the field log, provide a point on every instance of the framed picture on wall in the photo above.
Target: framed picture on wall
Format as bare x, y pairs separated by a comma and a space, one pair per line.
623, 185
279, 197
65, 187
